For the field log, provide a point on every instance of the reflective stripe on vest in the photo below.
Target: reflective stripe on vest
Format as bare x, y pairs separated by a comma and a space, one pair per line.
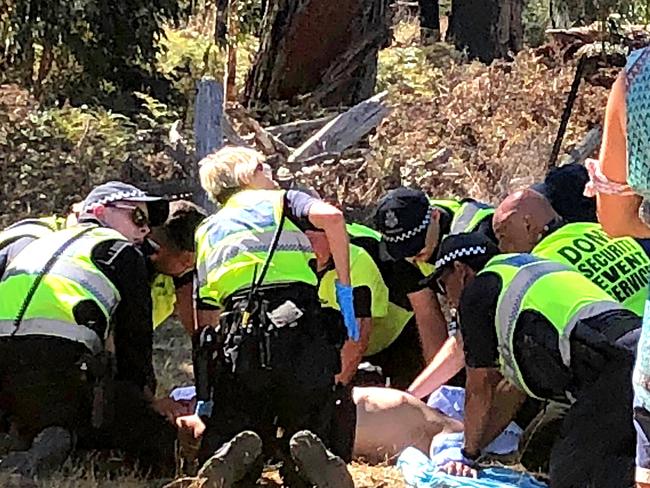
363, 273
620, 266
233, 244
520, 273
101, 289
35, 228
469, 216
74, 278
258, 243
55, 328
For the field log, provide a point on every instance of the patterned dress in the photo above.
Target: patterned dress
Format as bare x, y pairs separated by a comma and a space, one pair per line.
637, 73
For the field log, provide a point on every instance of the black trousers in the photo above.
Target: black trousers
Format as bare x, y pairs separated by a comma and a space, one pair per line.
403, 360
42, 384
295, 391
596, 445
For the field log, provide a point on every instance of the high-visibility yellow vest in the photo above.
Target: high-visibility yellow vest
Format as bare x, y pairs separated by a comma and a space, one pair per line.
363, 272
387, 328
73, 278
549, 288
35, 228
620, 266
232, 246
360, 230
163, 298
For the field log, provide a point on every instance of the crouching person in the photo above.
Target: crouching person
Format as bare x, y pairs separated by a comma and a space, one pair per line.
553, 335
271, 391
76, 339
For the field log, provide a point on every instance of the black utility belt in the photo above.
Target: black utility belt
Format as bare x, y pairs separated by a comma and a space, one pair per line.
260, 314
303, 295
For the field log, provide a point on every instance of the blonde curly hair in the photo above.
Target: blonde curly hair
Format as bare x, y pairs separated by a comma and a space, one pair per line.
229, 169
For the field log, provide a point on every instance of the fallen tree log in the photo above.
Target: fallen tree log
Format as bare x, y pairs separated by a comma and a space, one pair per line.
267, 142
345, 130
293, 133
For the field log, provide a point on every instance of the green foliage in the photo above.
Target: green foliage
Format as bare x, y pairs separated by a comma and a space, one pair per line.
542, 14
114, 41
52, 157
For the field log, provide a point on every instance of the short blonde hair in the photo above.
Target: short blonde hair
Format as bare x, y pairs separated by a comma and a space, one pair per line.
228, 168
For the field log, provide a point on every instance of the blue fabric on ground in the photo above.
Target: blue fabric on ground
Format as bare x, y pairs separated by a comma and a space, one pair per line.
419, 471
450, 400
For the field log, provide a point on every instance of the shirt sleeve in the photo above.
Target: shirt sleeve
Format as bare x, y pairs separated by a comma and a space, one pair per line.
362, 302
476, 319
132, 323
409, 276
11, 251
297, 205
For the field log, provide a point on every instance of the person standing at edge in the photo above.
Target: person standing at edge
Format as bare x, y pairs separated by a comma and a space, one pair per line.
621, 182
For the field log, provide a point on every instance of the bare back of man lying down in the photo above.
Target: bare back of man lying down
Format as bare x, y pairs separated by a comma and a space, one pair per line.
389, 421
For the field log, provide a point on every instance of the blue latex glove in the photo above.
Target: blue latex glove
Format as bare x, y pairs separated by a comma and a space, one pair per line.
345, 299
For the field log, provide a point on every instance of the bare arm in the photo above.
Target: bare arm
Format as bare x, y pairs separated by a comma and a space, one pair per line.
432, 325
507, 401
185, 307
330, 219
479, 400
449, 360
352, 352
619, 214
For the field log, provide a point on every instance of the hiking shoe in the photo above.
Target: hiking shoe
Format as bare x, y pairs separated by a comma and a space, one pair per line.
49, 450
233, 461
20, 463
318, 465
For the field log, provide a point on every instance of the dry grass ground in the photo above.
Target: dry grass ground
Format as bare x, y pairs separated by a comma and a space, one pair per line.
172, 360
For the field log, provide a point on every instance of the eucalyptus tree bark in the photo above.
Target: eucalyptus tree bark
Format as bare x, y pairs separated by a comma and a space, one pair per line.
319, 51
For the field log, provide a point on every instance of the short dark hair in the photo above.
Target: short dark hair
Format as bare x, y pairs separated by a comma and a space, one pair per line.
178, 230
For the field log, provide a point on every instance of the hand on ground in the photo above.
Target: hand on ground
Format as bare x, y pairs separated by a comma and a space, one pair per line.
191, 424
457, 468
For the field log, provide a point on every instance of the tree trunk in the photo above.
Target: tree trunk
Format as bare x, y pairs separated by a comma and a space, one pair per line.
321, 48
487, 30
429, 21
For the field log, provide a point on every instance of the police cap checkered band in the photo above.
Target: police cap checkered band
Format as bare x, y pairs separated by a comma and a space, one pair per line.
116, 191
412, 232
473, 248
458, 253
403, 216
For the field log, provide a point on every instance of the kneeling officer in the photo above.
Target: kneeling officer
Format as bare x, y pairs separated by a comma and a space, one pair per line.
554, 335
273, 385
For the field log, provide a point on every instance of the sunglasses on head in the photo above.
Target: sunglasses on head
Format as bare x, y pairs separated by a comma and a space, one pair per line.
138, 216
